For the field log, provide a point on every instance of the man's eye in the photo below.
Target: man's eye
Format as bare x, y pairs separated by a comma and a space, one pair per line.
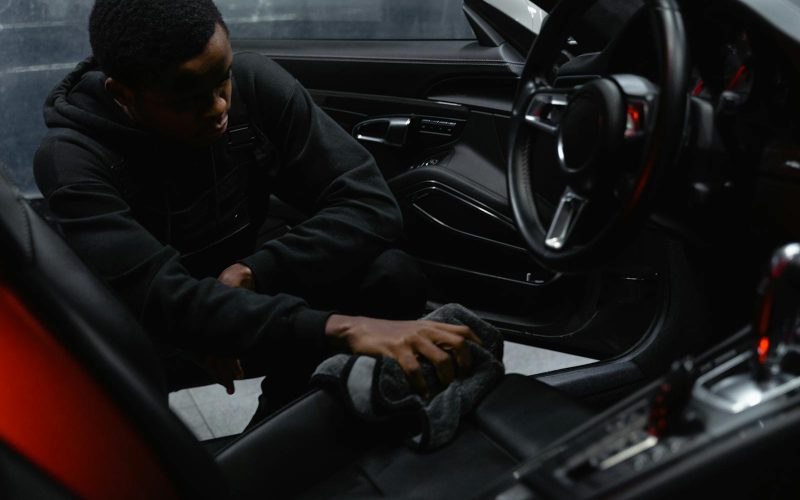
188, 103
199, 100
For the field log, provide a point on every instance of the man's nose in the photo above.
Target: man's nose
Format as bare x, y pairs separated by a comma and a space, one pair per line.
218, 107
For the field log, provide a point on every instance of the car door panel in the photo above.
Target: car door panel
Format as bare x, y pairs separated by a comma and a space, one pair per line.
395, 68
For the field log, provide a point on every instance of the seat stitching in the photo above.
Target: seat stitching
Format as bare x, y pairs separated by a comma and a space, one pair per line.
496, 443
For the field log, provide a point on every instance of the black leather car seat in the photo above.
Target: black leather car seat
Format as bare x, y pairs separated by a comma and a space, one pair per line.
95, 329
310, 448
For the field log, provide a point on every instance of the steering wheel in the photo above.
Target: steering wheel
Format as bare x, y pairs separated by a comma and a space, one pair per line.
604, 145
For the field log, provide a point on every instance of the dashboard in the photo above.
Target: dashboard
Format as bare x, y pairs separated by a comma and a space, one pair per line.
746, 70
747, 171
744, 66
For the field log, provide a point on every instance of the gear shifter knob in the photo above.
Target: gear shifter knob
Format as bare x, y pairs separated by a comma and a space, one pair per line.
776, 322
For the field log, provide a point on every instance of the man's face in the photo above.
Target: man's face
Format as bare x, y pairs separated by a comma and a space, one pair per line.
190, 103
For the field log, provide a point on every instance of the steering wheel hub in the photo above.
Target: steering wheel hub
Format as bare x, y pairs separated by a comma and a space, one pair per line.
592, 126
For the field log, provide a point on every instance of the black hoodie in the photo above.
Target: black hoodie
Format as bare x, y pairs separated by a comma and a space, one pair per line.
312, 164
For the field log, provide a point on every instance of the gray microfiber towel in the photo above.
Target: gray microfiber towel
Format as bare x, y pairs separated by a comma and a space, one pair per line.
377, 388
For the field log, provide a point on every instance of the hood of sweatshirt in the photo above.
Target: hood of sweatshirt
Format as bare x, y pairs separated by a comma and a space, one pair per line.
80, 102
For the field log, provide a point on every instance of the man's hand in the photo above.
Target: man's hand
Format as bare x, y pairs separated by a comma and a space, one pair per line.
404, 341
238, 276
223, 370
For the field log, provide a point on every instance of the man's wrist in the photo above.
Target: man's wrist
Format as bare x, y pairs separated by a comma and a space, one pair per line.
336, 330
265, 271
238, 276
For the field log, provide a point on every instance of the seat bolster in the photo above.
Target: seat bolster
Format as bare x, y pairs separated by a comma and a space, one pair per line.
524, 415
315, 448
296, 447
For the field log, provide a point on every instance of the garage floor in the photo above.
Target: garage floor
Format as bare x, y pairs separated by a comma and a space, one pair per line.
211, 413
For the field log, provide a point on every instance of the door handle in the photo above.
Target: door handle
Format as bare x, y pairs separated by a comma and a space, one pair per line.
387, 131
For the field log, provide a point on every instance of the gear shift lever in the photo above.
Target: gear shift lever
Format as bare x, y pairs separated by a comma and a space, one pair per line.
772, 366
776, 322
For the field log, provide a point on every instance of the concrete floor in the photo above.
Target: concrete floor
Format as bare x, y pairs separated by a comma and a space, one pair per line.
211, 413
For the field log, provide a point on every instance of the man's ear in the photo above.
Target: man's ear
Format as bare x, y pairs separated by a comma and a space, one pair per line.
120, 92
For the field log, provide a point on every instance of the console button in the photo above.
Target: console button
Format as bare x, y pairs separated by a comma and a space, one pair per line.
667, 410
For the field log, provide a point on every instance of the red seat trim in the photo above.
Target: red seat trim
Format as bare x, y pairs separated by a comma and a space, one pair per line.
60, 419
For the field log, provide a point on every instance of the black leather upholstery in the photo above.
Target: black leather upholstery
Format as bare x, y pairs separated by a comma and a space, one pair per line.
523, 415
312, 449
296, 447
22, 480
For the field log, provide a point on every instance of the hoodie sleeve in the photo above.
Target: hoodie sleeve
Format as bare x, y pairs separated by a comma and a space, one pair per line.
201, 315
324, 172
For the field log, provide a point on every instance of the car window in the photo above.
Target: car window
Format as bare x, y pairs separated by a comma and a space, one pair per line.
347, 19
41, 40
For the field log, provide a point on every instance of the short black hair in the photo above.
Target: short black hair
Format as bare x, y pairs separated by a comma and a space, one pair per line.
135, 41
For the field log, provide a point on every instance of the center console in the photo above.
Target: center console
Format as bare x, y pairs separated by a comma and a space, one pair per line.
727, 420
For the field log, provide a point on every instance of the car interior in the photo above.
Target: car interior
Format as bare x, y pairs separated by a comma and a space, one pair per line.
621, 184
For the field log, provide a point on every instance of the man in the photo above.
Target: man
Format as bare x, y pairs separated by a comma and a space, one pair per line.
162, 152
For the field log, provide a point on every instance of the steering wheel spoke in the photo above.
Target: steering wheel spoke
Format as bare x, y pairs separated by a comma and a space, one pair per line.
545, 109
566, 219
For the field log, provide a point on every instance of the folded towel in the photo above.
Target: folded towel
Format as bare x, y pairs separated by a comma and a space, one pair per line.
376, 388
